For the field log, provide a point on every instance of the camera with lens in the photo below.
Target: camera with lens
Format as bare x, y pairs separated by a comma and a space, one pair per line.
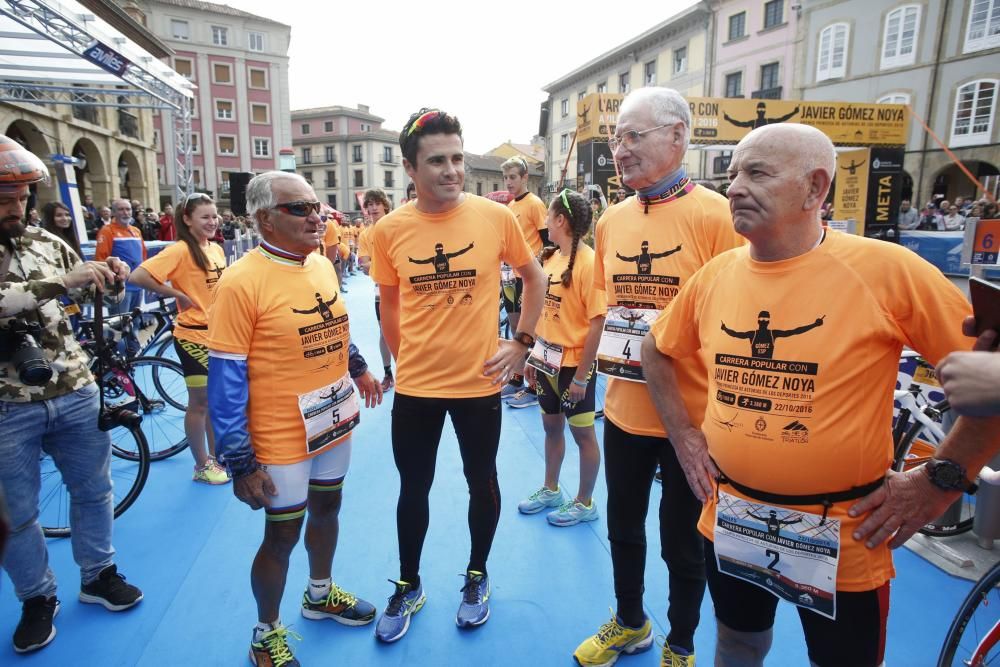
19, 347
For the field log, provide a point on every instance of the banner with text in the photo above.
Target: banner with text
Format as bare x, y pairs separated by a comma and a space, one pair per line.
850, 187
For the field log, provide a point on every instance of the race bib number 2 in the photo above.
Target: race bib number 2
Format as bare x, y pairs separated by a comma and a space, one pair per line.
791, 554
329, 413
619, 352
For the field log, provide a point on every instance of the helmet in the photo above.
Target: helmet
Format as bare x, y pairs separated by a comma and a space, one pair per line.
19, 166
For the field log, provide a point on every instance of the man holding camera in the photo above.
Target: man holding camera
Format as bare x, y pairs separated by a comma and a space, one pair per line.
49, 402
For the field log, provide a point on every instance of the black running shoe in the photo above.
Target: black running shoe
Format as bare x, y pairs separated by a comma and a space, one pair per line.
35, 629
110, 590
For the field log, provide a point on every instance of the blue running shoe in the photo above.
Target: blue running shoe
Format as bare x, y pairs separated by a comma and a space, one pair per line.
395, 620
572, 513
475, 607
509, 390
523, 399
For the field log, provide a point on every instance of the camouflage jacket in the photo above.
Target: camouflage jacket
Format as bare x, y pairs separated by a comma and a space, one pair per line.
29, 290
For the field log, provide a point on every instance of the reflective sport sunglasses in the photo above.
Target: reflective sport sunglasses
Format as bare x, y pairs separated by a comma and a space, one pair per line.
300, 209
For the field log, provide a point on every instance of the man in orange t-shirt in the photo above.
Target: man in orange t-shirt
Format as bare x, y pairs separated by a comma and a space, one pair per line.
437, 264
282, 402
648, 247
799, 336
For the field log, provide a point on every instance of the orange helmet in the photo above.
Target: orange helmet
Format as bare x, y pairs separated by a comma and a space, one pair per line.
19, 166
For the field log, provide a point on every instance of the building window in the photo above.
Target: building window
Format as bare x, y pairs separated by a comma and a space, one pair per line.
894, 98
261, 147
975, 106
307, 156
580, 95
623, 86
308, 175
331, 179
832, 60
359, 178
680, 60
649, 73
226, 144
366, 127
329, 153
900, 37
259, 113
220, 35
769, 76
479, 188
388, 178
737, 26
356, 153
223, 109
196, 176
773, 13
564, 143
184, 67
602, 87
564, 107
305, 128
180, 29
255, 41
195, 144
984, 25
387, 154
224, 182
258, 78
332, 200
734, 84
222, 73
328, 126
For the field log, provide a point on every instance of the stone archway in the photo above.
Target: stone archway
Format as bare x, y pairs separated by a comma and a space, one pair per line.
951, 182
28, 135
131, 180
92, 175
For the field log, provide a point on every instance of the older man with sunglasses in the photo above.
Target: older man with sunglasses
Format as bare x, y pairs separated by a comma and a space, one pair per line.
648, 246
282, 402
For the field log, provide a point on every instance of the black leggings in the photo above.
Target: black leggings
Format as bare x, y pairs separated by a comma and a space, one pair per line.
416, 434
629, 464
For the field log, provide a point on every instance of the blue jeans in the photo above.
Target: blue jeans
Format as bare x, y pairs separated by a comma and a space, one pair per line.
65, 428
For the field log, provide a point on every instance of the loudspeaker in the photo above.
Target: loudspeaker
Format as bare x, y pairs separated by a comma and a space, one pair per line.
238, 191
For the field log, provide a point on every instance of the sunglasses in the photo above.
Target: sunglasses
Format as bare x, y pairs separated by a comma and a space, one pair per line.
300, 209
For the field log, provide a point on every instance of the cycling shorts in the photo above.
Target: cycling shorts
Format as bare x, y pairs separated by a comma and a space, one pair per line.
552, 391
324, 472
194, 361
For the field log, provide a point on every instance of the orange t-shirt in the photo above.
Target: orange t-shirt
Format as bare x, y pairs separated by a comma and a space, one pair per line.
365, 242
176, 265
332, 238
567, 311
800, 358
447, 295
530, 213
682, 235
291, 325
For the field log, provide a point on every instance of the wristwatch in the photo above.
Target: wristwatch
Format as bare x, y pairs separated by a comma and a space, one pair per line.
525, 339
947, 475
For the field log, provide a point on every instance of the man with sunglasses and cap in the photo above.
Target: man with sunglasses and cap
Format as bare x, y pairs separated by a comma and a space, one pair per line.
49, 403
440, 320
282, 404
647, 247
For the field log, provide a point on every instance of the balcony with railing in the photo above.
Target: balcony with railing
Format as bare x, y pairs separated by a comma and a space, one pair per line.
767, 94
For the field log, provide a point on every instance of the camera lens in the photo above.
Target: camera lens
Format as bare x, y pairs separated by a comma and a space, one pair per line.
29, 360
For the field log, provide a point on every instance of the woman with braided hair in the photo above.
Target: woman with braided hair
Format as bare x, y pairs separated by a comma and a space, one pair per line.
561, 364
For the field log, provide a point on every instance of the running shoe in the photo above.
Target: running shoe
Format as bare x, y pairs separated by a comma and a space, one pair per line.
272, 649
675, 656
403, 603
387, 383
539, 500
340, 606
572, 513
210, 473
35, 628
509, 390
475, 607
111, 591
612, 639
522, 399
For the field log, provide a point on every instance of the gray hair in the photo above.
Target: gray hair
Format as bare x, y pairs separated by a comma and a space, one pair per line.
668, 106
259, 191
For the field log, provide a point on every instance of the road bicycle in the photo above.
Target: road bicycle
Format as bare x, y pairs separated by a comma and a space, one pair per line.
974, 634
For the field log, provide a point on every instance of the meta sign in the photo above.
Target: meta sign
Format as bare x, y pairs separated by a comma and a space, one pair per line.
107, 58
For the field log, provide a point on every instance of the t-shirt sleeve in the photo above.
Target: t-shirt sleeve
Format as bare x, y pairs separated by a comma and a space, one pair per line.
163, 264
382, 270
231, 318
540, 214
515, 249
595, 301
104, 241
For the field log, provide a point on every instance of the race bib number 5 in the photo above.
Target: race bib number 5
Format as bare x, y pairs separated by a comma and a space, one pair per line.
329, 413
618, 354
793, 555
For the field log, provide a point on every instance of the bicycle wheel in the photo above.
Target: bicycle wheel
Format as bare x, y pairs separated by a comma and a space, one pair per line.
128, 476
164, 348
158, 393
974, 634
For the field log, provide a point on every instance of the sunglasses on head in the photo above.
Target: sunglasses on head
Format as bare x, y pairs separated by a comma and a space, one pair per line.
300, 209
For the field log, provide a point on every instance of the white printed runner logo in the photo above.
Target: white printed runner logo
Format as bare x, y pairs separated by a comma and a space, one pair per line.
619, 354
329, 413
546, 357
793, 555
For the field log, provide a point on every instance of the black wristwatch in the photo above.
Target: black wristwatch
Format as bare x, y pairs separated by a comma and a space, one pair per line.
525, 339
947, 475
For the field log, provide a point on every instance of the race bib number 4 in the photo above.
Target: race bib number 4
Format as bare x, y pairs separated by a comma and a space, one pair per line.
329, 413
618, 354
546, 357
793, 555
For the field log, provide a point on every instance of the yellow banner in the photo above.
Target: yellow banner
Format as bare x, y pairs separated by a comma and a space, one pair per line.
850, 195
597, 116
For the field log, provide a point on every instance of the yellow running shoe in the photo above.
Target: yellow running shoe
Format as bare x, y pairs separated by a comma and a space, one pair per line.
675, 656
210, 473
613, 639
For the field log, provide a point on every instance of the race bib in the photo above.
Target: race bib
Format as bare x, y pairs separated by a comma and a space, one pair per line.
329, 413
546, 357
507, 276
793, 555
618, 354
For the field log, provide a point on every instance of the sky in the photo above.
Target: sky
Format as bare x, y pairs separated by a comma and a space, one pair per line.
487, 68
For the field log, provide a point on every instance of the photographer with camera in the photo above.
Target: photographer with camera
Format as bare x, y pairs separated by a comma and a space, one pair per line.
49, 402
